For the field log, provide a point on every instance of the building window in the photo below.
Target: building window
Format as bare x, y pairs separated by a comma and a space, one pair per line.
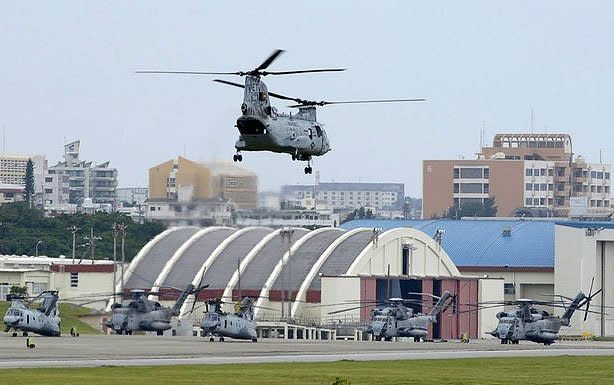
550, 187
529, 187
471, 173
509, 288
543, 187
535, 201
486, 187
542, 201
74, 279
536, 187
607, 175
48, 179
471, 188
527, 202
529, 172
550, 172
486, 173
456, 173
542, 172
593, 174
48, 191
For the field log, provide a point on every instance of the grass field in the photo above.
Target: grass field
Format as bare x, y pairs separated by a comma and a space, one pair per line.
69, 315
505, 371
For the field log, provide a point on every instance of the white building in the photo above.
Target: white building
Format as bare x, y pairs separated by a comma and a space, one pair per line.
83, 278
13, 170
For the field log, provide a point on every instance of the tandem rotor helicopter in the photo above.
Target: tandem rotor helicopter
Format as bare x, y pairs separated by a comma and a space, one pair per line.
263, 128
44, 320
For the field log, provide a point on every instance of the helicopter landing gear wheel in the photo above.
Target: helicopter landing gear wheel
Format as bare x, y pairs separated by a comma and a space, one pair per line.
14, 334
237, 157
416, 339
25, 334
503, 341
254, 339
308, 170
221, 339
159, 332
211, 339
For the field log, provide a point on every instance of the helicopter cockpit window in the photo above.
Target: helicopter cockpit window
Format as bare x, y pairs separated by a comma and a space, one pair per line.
318, 131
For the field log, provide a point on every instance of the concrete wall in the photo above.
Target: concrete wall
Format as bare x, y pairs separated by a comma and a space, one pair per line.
336, 291
578, 259
489, 290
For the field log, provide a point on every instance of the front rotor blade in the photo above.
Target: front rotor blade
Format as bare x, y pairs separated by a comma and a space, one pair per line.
264, 73
374, 101
229, 83
189, 73
270, 59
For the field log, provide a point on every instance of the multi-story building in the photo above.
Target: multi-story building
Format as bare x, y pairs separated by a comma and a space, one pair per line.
383, 197
234, 183
72, 181
528, 174
186, 192
13, 170
131, 196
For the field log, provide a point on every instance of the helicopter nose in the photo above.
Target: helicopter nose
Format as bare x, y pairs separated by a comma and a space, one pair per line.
11, 320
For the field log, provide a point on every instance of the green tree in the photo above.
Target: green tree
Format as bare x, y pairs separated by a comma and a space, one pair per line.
19, 290
473, 209
29, 188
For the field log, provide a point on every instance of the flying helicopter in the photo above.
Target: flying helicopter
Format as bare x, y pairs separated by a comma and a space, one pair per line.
263, 128
395, 317
238, 325
146, 315
44, 320
528, 323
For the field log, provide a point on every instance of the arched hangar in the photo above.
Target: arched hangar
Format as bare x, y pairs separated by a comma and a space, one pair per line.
305, 275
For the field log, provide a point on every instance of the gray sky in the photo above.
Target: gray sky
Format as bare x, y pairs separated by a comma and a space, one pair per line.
67, 72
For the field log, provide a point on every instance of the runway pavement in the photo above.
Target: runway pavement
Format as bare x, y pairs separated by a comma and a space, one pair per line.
114, 350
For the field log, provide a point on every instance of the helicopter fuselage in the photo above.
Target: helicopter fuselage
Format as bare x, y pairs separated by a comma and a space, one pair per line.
18, 317
261, 128
229, 325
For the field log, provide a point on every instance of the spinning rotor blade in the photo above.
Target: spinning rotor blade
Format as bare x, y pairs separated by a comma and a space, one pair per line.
190, 73
278, 96
267, 62
324, 102
264, 73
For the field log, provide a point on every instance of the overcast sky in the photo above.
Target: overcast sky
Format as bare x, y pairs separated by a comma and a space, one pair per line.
67, 72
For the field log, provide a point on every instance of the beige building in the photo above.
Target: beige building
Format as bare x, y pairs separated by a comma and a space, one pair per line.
184, 180
527, 174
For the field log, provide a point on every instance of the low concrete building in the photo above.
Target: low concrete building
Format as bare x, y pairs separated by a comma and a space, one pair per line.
79, 282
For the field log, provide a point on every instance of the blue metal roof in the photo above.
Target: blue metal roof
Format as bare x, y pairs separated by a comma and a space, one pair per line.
586, 224
481, 242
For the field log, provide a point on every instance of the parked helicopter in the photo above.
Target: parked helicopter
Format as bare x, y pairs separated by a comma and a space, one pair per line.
527, 323
146, 315
396, 318
45, 320
262, 128
239, 325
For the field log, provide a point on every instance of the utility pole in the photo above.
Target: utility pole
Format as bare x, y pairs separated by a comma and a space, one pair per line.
73, 229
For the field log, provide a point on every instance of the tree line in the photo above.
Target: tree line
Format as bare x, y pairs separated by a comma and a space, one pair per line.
23, 228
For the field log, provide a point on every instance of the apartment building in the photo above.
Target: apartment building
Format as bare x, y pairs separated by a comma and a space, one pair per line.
526, 174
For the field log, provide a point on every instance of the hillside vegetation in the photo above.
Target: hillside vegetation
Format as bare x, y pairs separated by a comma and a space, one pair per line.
21, 228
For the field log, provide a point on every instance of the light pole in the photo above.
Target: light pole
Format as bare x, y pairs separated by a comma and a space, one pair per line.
92, 243
73, 229
121, 228
114, 230
286, 234
36, 247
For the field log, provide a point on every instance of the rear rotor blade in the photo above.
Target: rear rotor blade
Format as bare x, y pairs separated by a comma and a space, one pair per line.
272, 57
